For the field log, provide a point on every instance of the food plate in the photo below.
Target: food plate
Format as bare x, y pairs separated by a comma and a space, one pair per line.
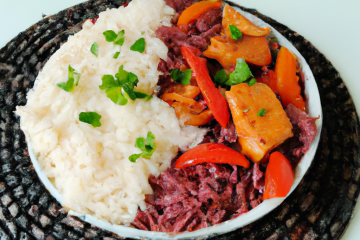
314, 108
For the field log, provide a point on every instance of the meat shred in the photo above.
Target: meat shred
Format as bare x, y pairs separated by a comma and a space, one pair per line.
307, 126
198, 196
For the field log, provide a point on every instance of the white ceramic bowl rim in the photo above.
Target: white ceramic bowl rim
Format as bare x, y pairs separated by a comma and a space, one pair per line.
314, 109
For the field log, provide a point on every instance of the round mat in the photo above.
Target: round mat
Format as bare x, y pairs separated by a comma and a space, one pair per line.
320, 207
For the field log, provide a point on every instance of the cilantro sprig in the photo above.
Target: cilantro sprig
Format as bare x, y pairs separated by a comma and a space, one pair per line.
240, 74
117, 39
92, 118
147, 146
73, 80
182, 77
221, 76
123, 81
235, 32
139, 45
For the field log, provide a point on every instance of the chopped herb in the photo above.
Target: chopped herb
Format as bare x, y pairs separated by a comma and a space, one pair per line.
261, 113
92, 118
221, 76
110, 35
120, 38
95, 49
187, 77
147, 146
235, 32
179, 76
116, 55
139, 46
246, 110
117, 39
252, 82
143, 32
123, 83
143, 96
240, 74
73, 80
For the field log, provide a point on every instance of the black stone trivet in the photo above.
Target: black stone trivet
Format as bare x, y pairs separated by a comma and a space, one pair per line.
320, 207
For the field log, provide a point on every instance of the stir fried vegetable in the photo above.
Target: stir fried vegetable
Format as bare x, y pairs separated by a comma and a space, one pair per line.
214, 99
211, 152
279, 176
258, 135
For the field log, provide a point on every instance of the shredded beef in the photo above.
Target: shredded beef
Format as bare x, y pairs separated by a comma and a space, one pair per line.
209, 19
307, 126
180, 5
198, 196
225, 134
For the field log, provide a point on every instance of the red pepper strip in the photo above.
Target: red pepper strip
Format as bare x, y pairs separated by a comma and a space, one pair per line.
214, 99
194, 11
279, 177
211, 152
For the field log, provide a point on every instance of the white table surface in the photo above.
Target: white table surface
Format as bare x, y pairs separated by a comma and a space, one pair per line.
332, 26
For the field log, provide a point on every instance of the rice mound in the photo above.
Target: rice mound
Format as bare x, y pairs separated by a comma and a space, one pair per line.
90, 166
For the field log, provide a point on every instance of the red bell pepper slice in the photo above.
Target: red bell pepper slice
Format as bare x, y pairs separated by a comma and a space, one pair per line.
214, 99
279, 176
211, 152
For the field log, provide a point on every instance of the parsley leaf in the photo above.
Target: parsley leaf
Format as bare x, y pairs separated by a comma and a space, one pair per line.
92, 118
240, 74
143, 96
147, 146
116, 96
179, 76
110, 35
73, 80
261, 113
221, 76
123, 81
252, 82
116, 55
143, 32
139, 45
120, 38
176, 75
235, 32
95, 49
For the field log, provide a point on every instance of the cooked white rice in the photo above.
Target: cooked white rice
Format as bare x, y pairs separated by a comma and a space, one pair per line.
90, 166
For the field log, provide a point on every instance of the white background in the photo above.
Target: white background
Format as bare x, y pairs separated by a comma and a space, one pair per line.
333, 26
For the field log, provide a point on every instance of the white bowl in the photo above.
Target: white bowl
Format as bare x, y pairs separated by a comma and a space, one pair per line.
314, 109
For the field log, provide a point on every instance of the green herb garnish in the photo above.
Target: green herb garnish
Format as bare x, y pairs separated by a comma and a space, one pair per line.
116, 55
92, 118
261, 113
73, 80
246, 110
235, 32
252, 82
139, 46
143, 32
147, 146
95, 49
110, 35
117, 39
182, 77
221, 76
240, 74
123, 81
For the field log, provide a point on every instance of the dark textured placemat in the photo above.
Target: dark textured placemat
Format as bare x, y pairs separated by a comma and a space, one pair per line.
320, 207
